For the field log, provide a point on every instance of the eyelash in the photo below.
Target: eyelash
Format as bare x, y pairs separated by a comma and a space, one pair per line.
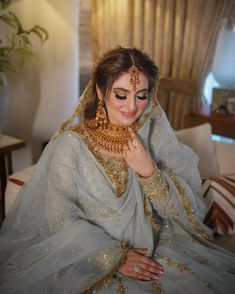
120, 97
124, 97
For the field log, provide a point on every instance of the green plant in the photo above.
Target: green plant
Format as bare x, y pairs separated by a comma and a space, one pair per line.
17, 41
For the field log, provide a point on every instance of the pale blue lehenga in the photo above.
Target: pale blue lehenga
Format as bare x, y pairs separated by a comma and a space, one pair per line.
65, 232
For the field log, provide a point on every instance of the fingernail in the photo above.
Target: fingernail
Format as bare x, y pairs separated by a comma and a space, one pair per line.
156, 277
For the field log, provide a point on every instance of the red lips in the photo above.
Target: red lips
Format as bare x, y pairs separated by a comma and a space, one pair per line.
129, 114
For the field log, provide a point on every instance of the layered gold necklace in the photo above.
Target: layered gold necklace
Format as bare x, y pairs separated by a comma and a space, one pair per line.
112, 138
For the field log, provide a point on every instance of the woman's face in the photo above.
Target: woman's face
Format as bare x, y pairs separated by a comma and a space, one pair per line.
125, 105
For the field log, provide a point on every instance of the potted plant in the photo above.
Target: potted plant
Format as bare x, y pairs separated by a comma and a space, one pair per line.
15, 44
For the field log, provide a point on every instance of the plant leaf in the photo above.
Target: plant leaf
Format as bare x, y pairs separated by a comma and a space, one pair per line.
8, 20
40, 32
5, 3
17, 22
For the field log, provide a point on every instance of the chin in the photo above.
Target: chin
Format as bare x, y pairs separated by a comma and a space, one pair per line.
124, 121
127, 122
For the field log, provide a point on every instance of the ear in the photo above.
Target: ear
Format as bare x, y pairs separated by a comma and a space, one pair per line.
99, 92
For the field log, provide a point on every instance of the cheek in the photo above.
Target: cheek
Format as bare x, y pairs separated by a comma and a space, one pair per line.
142, 105
113, 104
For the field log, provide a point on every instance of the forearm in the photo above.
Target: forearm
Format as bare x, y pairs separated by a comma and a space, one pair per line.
172, 198
156, 188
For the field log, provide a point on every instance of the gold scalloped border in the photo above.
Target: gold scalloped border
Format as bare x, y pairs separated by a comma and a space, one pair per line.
109, 277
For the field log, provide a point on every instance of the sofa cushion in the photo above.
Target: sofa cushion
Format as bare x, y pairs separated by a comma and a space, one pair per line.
199, 138
219, 195
227, 242
225, 154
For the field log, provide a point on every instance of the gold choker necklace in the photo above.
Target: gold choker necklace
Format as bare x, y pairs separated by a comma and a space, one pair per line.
112, 138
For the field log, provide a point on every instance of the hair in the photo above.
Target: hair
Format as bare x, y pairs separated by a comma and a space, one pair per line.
114, 63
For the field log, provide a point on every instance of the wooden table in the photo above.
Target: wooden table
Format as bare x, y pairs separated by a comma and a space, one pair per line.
7, 145
222, 124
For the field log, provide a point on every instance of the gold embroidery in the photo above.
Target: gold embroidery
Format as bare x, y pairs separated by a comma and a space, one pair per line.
199, 258
182, 267
168, 261
121, 288
155, 187
104, 258
115, 168
202, 259
148, 214
117, 171
101, 210
188, 208
109, 277
158, 287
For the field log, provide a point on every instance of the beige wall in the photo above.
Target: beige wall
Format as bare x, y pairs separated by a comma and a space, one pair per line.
43, 93
85, 38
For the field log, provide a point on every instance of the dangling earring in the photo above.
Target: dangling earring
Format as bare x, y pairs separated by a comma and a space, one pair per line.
101, 115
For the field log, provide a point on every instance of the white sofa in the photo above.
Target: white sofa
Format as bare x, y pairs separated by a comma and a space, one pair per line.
217, 168
216, 160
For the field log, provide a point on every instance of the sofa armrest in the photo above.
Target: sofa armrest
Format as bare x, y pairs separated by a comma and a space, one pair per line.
199, 139
14, 184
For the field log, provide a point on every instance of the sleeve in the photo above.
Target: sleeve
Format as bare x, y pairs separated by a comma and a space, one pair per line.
62, 249
173, 199
175, 188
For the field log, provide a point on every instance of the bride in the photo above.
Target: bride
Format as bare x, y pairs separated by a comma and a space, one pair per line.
115, 204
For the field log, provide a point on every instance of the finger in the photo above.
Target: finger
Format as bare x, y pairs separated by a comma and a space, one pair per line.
143, 277
147, 275
130, 145
151, 269
125, 150
152, 263
141, 250
132, 133
134, 137
125, 147
140, 275
144, 274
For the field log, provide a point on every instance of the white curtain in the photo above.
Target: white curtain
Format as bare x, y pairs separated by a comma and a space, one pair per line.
179, 35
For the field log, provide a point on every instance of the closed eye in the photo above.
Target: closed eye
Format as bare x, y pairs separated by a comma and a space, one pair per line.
120, 96
142, 97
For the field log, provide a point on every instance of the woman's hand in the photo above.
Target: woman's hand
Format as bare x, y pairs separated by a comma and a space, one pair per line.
137, 157
140, 267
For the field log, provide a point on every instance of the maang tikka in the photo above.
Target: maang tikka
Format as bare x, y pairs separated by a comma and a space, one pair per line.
134, 74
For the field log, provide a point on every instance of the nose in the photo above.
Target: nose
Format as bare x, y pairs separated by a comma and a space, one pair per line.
132, 105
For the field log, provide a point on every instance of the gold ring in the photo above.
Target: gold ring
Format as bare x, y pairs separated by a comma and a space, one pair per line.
135, 142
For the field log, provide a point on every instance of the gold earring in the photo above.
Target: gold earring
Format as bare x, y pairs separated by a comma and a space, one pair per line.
101, 115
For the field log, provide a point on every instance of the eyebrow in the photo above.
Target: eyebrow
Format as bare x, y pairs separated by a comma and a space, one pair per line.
125, 90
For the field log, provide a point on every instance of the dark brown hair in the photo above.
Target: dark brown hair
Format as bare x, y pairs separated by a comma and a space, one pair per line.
111, 65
